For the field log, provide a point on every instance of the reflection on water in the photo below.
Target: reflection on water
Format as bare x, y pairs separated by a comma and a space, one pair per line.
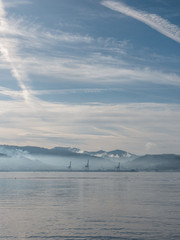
90, 205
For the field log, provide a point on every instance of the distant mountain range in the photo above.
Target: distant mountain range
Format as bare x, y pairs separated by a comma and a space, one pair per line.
29, 158
67, 151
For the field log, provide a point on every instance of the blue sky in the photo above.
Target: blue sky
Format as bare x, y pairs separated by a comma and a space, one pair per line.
92, 74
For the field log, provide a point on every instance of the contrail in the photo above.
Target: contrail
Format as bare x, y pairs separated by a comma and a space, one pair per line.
8, 51
152, 20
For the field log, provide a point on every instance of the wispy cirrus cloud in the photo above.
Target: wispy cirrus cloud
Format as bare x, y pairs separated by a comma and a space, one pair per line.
12, 94
95, 126
27, 47
9, 51
152, 20
15, 3
67, 37
83, 70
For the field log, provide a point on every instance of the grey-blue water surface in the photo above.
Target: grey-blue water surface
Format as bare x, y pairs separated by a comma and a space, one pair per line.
87, 205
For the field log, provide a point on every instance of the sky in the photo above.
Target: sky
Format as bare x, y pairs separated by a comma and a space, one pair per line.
91, 74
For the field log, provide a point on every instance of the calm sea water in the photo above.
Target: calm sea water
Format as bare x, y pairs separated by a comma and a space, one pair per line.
72, 205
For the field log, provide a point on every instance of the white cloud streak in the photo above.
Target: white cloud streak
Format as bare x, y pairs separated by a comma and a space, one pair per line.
152, 20
8, 49
81, 70
107, 126
84, 70
15, 3
17, 95
20, 40
67, 37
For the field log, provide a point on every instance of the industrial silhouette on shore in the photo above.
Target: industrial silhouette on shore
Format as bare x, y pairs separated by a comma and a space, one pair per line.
87, 165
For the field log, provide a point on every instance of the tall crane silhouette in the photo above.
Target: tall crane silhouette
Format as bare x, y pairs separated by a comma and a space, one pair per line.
87, 165
118, 167
69, 165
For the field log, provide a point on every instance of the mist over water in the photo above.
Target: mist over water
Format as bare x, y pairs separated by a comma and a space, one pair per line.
29, 158
87, 205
